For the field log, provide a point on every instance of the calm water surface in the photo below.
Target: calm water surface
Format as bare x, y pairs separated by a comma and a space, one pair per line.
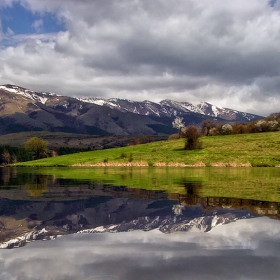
146, 223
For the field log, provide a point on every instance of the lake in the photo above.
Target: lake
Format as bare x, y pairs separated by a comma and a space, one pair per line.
139, 223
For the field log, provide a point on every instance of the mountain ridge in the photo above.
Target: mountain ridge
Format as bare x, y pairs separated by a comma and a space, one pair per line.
22, 109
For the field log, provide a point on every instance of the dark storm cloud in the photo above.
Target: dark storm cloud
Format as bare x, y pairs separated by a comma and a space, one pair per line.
224, 53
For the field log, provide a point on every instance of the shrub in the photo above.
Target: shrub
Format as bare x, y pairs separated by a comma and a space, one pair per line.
123, 155
239, 128
173, 136
207, 125
141, 139
266, 126
226, 129
217, 130
192, 134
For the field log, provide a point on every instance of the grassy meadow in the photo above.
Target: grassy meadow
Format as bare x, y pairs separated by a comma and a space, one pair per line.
257, 150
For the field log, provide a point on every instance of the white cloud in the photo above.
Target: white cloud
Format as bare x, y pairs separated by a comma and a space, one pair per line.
38, 24
225, 53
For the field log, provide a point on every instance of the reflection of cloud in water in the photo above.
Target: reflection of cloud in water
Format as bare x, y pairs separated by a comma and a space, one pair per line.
246, 249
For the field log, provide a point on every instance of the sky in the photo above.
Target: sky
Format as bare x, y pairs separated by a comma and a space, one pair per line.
223, 52
245, 249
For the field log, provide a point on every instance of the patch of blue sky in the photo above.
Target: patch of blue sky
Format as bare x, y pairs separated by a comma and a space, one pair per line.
272, 2
22, 21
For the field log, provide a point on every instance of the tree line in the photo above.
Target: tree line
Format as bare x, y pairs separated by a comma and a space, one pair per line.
34, 148
269, 124
13, 154
211, 128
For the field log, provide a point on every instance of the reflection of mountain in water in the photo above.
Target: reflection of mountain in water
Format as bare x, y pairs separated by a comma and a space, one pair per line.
24, 221
40, 207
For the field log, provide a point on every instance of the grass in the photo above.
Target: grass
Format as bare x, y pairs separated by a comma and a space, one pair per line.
258, 150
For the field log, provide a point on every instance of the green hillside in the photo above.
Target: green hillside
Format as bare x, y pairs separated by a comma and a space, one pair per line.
258, 149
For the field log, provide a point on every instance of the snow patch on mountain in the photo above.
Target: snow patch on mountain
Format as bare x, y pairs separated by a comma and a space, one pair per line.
8, 89
25, 93
98, 101
26, 238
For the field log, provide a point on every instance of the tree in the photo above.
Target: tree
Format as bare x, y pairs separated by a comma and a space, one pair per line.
6, 157
239, 128
178, 123
207, 125
192, 134
226, 129
36, 145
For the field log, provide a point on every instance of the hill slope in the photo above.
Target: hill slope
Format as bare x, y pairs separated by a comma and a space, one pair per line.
25, 110
258, 149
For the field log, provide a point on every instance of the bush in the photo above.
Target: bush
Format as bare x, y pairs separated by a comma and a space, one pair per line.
123, 155
130, 159
226, 129
192, 134
173, 136
239, 128
207, 125
266, 126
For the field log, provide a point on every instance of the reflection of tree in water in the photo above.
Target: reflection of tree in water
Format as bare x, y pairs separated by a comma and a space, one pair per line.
190, 198
6, 174
12, 177
192, 189
37, 187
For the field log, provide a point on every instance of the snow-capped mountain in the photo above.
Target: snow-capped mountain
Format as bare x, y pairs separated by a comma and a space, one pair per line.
171, 108
165, 108
28, 94
26, 110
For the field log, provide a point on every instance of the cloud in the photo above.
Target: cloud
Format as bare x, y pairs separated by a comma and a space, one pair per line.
250, 245
225, 53
37, 25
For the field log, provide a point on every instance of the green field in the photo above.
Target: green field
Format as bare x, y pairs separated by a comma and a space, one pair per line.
257, 150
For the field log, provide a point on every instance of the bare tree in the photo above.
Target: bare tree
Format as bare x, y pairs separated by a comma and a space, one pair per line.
6, 157
207, 125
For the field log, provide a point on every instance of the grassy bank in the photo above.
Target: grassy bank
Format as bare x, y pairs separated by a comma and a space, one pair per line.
258, 149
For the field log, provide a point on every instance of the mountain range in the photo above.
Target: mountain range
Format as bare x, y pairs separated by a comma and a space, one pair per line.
22, 109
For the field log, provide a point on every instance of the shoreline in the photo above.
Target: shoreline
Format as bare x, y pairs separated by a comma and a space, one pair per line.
164, 164
146, 164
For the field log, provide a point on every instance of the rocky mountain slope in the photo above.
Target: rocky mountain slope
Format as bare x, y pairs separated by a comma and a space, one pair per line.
25, 110
171, 108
